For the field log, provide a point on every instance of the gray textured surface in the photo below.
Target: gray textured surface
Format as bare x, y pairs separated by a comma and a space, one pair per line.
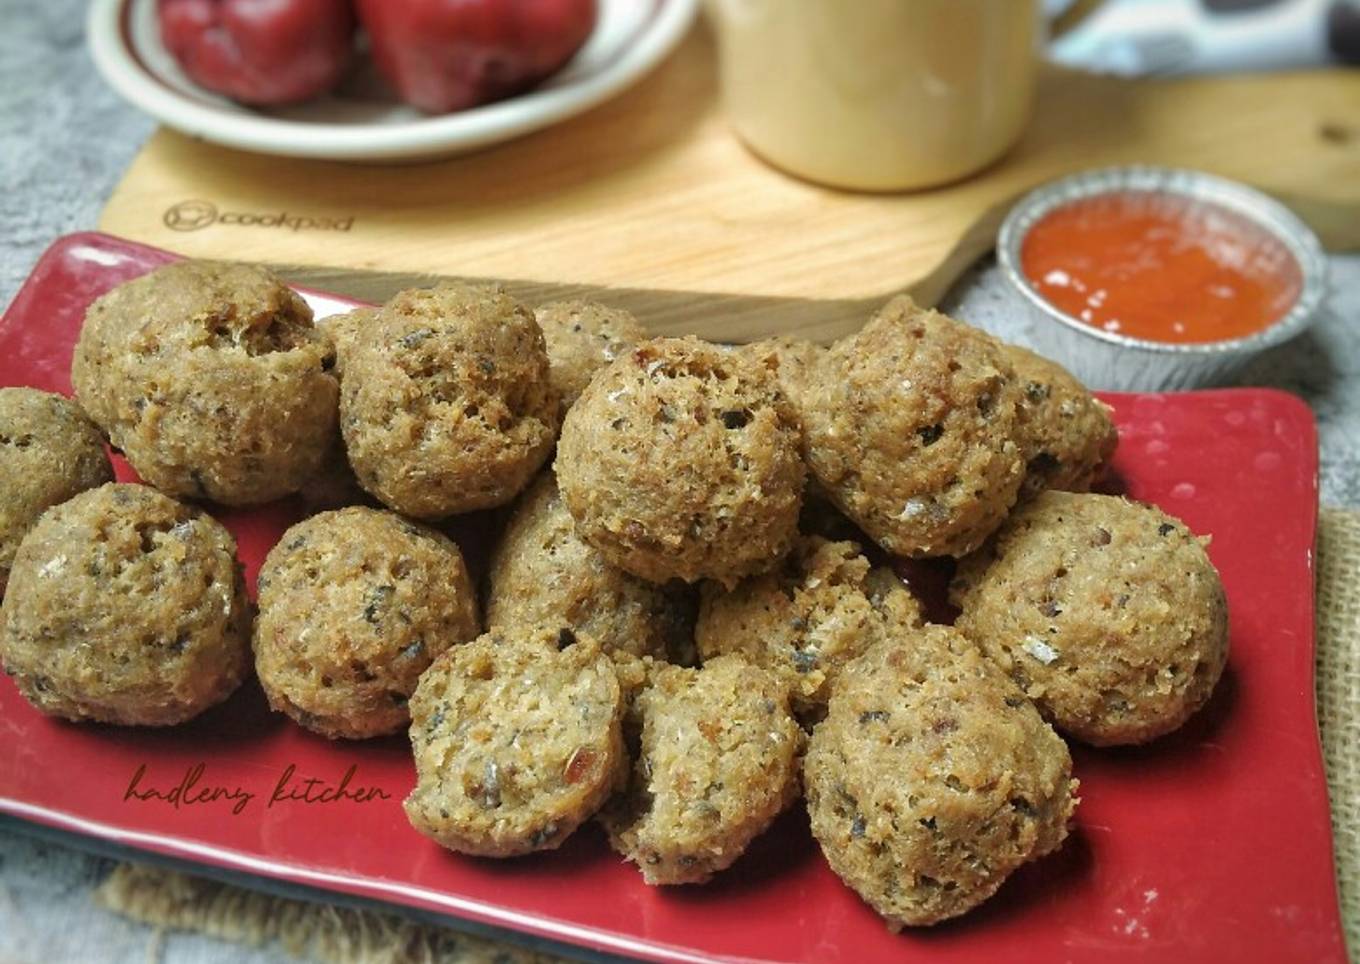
65, 137
46, 915
64, 141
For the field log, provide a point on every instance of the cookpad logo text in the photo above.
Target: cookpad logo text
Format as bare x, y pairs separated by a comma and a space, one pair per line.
196, 215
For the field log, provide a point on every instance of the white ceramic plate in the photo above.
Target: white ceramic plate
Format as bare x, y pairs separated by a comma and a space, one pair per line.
361, 121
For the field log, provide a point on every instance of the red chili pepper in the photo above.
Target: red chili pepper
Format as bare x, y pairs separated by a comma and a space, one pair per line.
260, 51
446, 55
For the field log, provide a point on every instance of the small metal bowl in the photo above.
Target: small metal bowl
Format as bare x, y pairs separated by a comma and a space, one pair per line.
1105, 359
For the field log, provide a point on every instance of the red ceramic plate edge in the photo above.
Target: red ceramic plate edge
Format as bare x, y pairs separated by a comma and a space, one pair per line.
539, 925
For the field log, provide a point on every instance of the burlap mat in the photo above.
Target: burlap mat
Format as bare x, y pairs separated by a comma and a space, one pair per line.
173, 901
1338, 697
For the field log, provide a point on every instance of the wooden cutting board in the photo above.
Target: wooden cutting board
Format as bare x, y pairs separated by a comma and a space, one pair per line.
650, 202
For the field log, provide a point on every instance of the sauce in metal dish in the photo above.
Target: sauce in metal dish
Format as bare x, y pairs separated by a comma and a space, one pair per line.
1160, 267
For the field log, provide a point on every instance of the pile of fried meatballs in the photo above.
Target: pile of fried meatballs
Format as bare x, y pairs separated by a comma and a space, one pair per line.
691, 618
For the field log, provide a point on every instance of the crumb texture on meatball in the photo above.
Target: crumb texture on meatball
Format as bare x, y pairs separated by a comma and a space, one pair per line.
582, 337
932, 778
517, 741
793, 360
354, 605
211, 379
542, 571
910, 429
824, 606
125, 606
334, 485
1066, 433
344, 330
49, 452
1108, 613
680, 461
717, 762
445, 402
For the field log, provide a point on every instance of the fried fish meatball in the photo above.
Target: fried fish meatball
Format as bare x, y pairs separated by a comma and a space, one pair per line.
680, 461
125, 606
344, 329
517, 741
932, 778
354, 606
1107, 613
794, 360
543, 572
582, 337
211, 379
718, 762
1066, 433
49, 451
445, 403
823, 607
334, 486
910, 428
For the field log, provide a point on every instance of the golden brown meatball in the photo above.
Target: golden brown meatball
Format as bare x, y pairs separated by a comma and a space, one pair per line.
211, 380
718, 762
517, 741
334, 485
793, 360
932, 778
582, 337
910, 430
1066, 433
344, 329
542, 572
49, 451
445, 404
680, 461
354, 605
823, 607
125, 606
1107, 613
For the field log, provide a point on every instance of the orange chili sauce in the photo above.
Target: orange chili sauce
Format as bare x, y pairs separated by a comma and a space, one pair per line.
1160, 267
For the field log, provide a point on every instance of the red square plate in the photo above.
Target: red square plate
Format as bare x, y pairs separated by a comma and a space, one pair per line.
1211, 845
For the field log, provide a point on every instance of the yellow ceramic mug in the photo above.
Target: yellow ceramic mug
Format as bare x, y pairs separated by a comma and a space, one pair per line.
879, 95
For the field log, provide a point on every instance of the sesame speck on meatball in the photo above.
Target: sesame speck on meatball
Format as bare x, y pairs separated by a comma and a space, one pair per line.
1067, 435
582, 337
445, 402
1106, 612
910, 430
542, 571
517, 739
717, 762
821, 608
125, 606
211, 379
680, 461
49, 452
354, 605
932, 778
